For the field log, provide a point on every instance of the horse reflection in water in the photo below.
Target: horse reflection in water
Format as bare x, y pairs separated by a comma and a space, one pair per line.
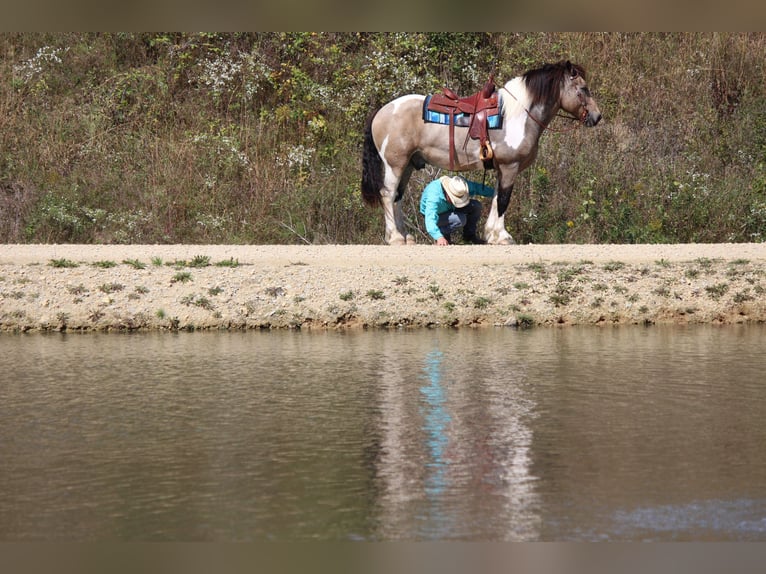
454, 460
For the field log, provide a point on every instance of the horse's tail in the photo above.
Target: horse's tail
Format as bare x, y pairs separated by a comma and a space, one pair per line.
372, 167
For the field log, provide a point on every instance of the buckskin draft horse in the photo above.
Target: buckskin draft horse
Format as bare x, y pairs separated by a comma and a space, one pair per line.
398, 140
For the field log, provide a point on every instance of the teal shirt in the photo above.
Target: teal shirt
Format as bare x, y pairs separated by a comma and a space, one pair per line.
433, 203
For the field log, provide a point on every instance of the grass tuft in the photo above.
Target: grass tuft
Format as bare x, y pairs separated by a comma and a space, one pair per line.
62, 263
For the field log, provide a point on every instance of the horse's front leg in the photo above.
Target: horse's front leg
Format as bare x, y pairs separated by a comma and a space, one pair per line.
494, 228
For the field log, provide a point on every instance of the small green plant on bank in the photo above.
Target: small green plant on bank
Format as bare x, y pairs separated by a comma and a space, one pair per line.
200, 261
742, 296
198, 301
231, 262
346, 296
104, 264
482, 302
181, 277
613, 266
134, 263
717, 291
111, 287
62, 263
539, 269
375, 294
707, 265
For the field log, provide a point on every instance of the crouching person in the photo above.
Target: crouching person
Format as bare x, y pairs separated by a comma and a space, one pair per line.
447, 207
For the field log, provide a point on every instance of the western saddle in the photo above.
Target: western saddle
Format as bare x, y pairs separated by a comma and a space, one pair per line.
479, 107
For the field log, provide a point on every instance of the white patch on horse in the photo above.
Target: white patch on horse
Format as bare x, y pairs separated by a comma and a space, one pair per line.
390, 179
404, 99
515, 106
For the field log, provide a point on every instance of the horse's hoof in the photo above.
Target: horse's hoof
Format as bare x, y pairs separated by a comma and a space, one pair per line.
411, 240
504, 240
397, 241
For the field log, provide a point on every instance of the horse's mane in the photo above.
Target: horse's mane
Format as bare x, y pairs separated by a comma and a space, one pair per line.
544, 83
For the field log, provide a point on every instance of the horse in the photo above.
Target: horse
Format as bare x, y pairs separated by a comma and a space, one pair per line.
397, 140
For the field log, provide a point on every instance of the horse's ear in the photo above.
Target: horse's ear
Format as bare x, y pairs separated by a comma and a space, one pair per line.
571, 69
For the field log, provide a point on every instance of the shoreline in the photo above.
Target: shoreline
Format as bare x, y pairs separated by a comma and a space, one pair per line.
236, 287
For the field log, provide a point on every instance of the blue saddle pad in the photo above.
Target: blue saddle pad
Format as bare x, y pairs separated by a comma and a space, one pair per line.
494, 122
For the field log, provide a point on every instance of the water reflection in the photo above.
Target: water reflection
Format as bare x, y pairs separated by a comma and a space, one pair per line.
464, 471
574, 434
435, 427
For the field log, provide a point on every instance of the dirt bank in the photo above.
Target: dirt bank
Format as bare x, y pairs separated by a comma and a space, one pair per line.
168, 287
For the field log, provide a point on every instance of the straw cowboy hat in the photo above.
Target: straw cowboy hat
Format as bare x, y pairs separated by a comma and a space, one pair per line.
457, 190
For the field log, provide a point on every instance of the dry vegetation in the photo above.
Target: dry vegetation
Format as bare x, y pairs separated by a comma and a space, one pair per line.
255, 138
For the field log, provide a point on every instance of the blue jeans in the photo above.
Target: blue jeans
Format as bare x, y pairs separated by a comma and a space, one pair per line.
466, 218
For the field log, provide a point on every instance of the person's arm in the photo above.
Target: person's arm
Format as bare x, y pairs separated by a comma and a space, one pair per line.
431, 217
476, 188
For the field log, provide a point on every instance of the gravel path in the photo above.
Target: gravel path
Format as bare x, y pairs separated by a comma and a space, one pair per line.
169, 287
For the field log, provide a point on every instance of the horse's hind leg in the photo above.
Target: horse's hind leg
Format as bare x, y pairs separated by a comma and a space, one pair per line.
396, 233
393, 187
392, 212
401, 188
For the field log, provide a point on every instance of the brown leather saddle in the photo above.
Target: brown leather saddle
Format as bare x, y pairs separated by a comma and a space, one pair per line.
477, 107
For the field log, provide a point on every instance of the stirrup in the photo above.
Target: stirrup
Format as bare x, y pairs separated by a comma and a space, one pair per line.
485, 152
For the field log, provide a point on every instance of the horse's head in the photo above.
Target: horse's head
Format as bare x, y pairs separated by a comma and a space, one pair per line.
575, 98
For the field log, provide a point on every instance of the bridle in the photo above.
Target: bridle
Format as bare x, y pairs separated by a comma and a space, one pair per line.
580, 121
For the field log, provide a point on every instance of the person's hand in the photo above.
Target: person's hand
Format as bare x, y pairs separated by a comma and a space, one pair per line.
442, 241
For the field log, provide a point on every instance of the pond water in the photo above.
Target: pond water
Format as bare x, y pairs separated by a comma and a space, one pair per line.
493, 434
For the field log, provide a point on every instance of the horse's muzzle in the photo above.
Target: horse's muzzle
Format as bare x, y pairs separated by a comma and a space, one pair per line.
592, 119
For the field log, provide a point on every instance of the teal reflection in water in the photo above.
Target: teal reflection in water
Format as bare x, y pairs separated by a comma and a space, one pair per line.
436, 420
